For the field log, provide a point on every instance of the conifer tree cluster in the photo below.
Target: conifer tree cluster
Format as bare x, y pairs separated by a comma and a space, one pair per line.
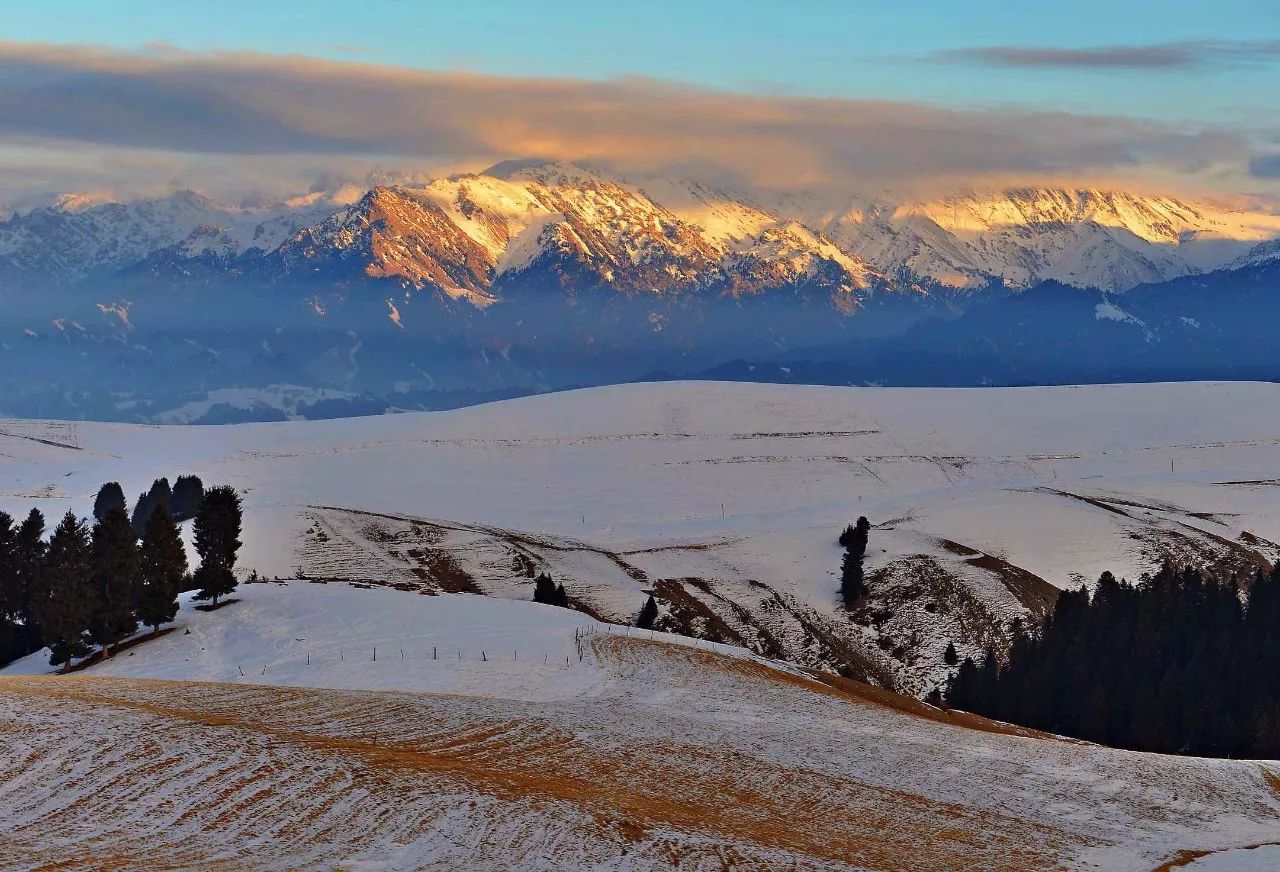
1174, 664
90, 587
547, 591
854, 540
182, 501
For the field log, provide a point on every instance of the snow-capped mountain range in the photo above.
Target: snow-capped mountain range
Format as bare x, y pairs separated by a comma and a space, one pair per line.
470, 235
532, 276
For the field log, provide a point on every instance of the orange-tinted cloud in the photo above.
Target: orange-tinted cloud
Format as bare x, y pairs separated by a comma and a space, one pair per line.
248, 110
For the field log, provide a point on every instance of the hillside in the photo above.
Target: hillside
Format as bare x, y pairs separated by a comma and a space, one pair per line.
725, 500
643, 754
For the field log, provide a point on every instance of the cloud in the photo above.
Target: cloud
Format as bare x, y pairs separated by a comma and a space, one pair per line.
1158, 56
281, 117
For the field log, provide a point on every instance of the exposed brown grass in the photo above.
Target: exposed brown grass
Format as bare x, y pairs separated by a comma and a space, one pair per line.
729, 798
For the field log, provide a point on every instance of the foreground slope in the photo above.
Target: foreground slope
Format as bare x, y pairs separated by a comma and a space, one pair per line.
724, 501
641, 755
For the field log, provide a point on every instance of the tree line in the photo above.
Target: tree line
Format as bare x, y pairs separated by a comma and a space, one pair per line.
91, 586
1179, 663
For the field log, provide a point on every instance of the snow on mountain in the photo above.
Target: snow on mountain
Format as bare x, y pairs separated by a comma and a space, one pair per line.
1088, 238
391, 233
64, 245
80, 235
576, 227
1263, 252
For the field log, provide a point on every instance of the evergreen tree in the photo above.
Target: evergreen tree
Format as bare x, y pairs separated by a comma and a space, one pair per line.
858, 541
110, 496
141, 513
852, 586
163, 565
114, 591
561, 598
217, 539
648, 614
62, 594
544, 589
188, 495
10, 597
28, 565
949, 656
855, 536
963, 692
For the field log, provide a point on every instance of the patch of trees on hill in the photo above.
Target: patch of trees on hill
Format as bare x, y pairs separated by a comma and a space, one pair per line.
547, 591
1176, 664
90, 587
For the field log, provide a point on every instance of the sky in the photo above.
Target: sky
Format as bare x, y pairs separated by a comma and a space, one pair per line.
142, 94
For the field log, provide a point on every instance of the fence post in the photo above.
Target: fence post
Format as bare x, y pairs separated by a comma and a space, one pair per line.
375, 653
433, 652
484, 658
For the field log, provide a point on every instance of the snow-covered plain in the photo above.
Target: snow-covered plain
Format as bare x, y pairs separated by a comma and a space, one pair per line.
640, 755
726, 499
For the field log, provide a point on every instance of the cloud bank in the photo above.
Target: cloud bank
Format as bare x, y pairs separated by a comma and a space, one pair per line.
275, 119
1159, 56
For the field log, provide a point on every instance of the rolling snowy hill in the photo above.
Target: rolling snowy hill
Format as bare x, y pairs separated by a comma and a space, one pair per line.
724, 501
641, 754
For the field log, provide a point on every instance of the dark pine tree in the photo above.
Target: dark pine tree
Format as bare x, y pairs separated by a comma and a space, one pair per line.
188, 495
949, 656
852, 586
28, 565
648, 614
115, 581
62, 594
141, 513
163, 566
10, 598
562, 598
544, 589
110, 496
858, 541
846, 536
963, 693
217, 539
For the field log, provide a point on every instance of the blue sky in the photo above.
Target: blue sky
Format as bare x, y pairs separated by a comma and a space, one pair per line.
870, 49
144, 93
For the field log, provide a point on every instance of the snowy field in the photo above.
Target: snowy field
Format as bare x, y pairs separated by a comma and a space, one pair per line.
725, 500
640, 755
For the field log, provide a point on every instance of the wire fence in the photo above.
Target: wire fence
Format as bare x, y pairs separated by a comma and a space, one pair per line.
382, 653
